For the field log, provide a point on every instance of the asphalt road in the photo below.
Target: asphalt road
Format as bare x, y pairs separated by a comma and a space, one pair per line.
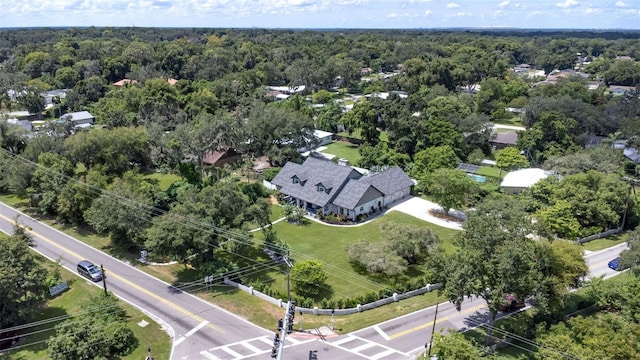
203, 331
194, 324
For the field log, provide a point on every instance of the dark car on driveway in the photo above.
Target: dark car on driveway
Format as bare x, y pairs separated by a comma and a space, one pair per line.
616, 264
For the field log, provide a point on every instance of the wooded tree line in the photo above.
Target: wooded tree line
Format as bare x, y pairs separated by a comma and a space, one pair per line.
219, 103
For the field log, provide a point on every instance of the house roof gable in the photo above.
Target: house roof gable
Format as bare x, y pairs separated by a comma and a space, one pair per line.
389, 181
356, 193
312, 172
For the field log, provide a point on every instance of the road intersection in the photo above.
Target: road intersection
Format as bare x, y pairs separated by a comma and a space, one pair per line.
201, 330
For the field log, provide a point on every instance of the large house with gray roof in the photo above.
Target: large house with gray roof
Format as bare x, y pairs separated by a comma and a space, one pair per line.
338, 189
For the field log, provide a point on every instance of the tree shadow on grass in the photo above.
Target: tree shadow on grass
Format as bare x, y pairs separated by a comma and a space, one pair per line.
36, 341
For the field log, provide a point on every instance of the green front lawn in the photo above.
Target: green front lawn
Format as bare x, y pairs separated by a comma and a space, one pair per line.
164, 180
328, 244
489, 171
74, 301
343, 150
600, 244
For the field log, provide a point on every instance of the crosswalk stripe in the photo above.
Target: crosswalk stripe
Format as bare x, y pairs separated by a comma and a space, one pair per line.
208, 355
382, 354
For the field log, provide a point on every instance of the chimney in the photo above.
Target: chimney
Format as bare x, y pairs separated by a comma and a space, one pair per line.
343, 162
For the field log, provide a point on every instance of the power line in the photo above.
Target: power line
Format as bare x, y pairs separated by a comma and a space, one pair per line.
229, 235
522, 339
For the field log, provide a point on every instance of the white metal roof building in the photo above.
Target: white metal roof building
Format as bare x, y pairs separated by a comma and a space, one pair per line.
516, 181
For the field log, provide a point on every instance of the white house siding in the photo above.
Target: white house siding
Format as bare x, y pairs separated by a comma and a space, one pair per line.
389, 199
366, 207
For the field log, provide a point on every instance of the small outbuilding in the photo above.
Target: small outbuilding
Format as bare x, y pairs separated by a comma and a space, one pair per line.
519, 180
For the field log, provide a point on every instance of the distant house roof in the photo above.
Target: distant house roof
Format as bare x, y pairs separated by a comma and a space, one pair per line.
524, 178
288, 89
219, 158
632, 154
385, 95
593, 140
77, 116
321, 134
619, 89
26, 124
123, 82
172, 81
507, 138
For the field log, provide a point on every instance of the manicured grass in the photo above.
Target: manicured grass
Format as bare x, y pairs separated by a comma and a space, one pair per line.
344, 149
328, 244
514, 121
15, 201
266, 315
74, 301
493, 172
600, 244
164, 180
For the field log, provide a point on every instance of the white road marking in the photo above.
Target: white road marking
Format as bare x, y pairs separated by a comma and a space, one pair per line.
382, 333
364, 347
208, 355
343, 340
382, 354
251, 347
231, 352
293, 340
191, 332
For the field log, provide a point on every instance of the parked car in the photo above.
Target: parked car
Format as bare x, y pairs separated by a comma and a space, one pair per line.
511, 302
89, 270
616, 264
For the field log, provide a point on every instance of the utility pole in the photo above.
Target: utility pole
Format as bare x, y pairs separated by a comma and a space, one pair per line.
104, 280
286, 327
433, 329
285, 258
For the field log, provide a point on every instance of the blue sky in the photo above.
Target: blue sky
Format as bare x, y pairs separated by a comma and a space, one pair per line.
594, 14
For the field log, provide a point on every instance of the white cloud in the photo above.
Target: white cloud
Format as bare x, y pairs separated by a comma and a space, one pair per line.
535, 13
567, 4
621, 4
626, 12
460, 14
392, 15
590, 10
428, 12
504, 3
452, 5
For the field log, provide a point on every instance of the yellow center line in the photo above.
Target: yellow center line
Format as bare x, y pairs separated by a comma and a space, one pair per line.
137, 287
430, 323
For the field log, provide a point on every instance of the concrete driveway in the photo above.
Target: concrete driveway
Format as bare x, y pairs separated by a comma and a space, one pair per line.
419, 208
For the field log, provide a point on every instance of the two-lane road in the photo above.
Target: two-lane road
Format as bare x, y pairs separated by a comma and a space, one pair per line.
203, 331
195, 325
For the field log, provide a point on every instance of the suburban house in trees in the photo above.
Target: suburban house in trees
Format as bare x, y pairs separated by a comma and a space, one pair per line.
80, 119
340, 189
519, 180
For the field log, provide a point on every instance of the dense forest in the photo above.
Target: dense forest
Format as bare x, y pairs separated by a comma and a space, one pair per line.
421, 100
